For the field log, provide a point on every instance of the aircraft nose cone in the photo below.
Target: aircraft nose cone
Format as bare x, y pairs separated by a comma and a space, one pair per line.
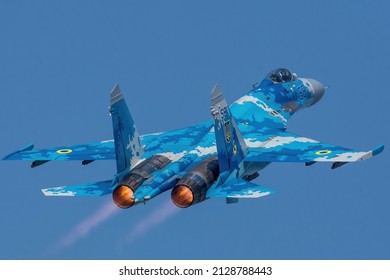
317, 88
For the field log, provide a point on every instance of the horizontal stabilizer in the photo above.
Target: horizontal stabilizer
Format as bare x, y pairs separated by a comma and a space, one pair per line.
89, 189
238, 188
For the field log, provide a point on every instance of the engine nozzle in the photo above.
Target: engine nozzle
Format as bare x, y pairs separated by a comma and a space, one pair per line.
123, 196
182, 196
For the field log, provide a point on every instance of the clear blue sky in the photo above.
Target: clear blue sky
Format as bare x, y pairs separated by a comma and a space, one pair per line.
60, 60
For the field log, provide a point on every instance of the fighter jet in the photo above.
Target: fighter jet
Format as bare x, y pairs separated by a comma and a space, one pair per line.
216, 158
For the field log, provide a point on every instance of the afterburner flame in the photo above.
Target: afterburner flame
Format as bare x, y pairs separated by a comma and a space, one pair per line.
123, 196
182, 196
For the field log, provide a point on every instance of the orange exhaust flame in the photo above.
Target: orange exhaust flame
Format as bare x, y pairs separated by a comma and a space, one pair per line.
182, 196
123, 196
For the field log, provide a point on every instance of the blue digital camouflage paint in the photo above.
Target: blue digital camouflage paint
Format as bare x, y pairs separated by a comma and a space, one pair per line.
216, 158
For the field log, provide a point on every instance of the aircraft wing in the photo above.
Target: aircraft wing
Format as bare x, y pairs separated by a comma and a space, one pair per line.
90, 151
169, 141
288, 147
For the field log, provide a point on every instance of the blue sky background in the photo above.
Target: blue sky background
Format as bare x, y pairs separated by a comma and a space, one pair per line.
60, 59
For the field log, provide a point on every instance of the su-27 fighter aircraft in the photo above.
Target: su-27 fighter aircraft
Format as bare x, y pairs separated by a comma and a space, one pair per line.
216, 158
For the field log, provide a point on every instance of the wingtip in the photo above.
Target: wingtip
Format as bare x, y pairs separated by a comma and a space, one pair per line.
29, 147
378, 150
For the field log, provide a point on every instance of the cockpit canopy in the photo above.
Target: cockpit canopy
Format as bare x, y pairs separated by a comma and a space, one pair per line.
281, 75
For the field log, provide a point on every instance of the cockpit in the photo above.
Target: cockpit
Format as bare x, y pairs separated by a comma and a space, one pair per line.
281, 75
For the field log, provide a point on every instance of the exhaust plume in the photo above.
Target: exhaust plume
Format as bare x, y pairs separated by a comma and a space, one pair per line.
106, 211
157, 217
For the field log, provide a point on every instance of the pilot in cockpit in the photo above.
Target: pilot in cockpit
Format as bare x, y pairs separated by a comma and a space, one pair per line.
281, 75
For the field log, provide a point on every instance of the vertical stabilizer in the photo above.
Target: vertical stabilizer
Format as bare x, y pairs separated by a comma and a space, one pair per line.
231, 147
128, 148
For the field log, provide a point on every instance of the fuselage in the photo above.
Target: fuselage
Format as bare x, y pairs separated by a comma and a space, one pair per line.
215, 158
265, 109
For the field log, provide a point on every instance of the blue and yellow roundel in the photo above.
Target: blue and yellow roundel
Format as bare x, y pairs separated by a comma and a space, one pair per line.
323, 152
64, 151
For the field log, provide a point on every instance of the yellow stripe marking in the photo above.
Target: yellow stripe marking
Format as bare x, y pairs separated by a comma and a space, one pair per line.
323, 152
64, 151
